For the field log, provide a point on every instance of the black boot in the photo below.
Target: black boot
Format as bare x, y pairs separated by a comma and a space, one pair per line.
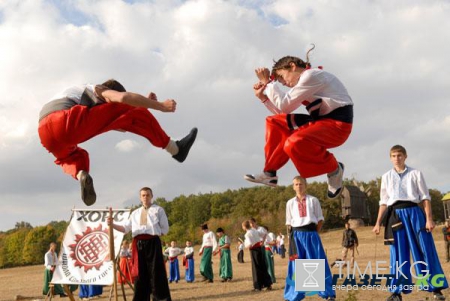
184, 145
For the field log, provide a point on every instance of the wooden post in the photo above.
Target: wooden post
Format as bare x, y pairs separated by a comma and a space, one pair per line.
112, 255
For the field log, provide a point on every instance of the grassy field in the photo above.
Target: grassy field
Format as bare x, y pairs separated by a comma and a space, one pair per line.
28, 281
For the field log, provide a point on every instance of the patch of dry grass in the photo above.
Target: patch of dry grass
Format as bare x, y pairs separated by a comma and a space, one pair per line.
28, 281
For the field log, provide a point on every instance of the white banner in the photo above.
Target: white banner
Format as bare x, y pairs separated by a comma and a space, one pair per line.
84, 256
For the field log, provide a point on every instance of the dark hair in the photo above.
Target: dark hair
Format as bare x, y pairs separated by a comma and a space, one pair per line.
285, 62
146, 189
246, 224
114, 85
219, 230
398, 148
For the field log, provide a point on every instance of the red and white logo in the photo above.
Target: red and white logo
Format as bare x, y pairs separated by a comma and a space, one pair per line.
91, 248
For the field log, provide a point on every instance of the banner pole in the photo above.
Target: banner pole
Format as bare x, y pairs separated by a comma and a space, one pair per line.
112, 253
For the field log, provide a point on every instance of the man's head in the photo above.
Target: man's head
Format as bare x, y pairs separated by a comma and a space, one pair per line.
246, 225
398, 157
220, 232
299, 185
114, 85
52, 246
347, 225
204, 228
253, 222
146, 195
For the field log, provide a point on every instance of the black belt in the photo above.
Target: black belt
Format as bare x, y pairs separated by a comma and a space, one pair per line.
392, 222
307, 228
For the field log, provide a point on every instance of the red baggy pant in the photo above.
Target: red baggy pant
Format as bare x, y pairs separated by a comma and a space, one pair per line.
62, 131
306, 146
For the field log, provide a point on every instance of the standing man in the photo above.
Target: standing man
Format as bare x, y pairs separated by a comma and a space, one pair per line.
82, 112
188, 262
209, 246
407, 228
349, 243
261, 279
280, 242
147, 224
260, 229
240, 248
172, 253
50, 262
269, 243
225, 267
446, 232
304, 219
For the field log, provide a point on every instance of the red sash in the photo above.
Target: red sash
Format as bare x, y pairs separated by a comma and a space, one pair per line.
135, 253
256, 246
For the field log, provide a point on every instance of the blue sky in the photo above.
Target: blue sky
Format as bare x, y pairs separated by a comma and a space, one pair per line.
391, 55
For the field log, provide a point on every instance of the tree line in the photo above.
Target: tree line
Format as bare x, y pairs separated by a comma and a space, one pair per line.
26, 245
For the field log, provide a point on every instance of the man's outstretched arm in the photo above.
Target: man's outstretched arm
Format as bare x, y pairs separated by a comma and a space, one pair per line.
137, 100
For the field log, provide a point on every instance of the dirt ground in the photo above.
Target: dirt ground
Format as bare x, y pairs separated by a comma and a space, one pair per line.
28, 281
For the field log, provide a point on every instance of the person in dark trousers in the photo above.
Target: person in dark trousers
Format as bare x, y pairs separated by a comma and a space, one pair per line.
349, 244
147, 224
261, 278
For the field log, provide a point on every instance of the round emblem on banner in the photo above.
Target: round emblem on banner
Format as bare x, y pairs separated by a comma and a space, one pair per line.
91, 248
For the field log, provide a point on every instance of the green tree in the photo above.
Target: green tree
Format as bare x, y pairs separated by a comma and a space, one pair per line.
13, 248
37, 243
436, 205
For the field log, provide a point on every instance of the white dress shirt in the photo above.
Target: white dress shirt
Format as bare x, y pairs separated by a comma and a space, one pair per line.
209, 240
188, 251
173, 252
280, 240
313, 212
251, 237
407, 186
50, 259
270, 239
157, 223
262, 233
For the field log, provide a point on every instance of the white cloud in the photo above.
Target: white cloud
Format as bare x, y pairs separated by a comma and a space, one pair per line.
127, 145
391, 55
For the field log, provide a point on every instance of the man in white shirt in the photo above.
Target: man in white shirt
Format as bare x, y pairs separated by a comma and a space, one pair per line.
260, 276
80, 113
407, 228
303, 138
209, 246
188, 262
50, 262
269, 244
280, 242
147, 224
304, 219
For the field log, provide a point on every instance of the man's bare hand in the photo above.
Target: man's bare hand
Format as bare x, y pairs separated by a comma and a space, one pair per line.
152, 96
168, 105
258, 86
263, 75
258, 89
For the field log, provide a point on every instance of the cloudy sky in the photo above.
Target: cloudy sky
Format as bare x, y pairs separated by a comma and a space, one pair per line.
391, 55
